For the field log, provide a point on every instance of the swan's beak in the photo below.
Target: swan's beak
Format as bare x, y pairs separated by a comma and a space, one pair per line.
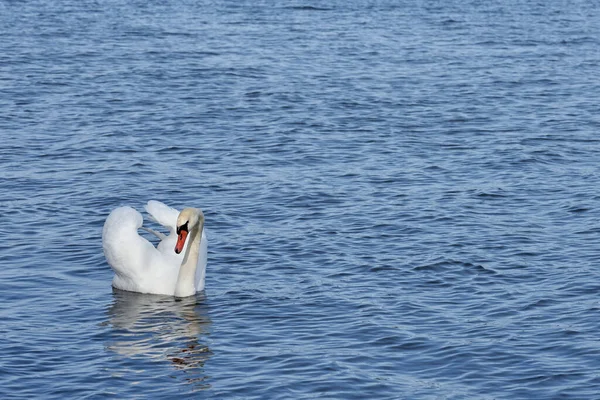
181, 240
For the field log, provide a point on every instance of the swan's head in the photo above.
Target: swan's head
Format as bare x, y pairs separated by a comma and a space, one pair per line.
188, 219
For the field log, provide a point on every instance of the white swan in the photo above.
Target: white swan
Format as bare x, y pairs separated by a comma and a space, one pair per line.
175, 267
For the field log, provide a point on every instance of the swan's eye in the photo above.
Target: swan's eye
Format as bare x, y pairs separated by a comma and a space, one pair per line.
183, 227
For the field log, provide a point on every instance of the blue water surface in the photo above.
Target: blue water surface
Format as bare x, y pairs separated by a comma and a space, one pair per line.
402, 197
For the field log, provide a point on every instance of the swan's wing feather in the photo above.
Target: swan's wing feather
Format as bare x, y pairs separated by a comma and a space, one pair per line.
163, 214
158, 234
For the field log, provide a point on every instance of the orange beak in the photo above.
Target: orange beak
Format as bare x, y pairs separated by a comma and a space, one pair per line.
181, 240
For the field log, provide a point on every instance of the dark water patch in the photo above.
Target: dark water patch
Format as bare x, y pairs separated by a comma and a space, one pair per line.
308, 8
454, 266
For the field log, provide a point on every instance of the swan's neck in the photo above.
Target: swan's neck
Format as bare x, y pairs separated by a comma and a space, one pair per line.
185, 285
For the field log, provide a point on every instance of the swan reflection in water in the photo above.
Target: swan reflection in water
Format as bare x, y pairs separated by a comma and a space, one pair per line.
161, 328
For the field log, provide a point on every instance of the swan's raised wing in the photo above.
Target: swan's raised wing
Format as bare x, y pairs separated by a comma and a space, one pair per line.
163, 214
167, 217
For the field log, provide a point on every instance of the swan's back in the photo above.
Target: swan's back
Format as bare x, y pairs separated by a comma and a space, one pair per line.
138, 266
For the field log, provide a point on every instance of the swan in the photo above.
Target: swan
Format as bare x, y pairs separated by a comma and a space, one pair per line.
175, 267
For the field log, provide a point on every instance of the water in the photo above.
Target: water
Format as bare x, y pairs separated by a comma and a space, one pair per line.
401, 197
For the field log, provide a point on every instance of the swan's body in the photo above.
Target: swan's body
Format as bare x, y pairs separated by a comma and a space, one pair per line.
175, 267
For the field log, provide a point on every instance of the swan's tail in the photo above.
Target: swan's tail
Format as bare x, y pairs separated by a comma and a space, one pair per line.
162, 214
